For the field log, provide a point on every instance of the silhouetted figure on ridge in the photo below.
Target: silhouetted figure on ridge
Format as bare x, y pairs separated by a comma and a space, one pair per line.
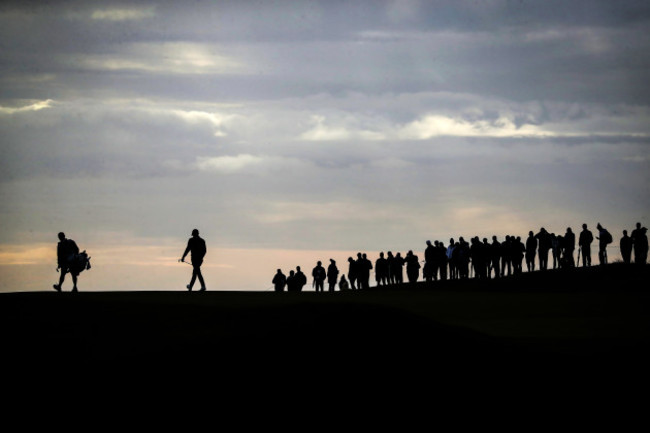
518, 250
453, 268
292, 282
412, 267
484, 249
196, 246
301, 279
584, 242
477, 256
560, 254
279, 281
569, 247
507, 256
531, 249
495, 257
381, 270
364, 266
319, 275
640, 243
66, 250
555, 249
398, 267
604, 239
352, 272
543, 247
332, 275
625, 244
429, 260
441, 253
390, 265
462, 253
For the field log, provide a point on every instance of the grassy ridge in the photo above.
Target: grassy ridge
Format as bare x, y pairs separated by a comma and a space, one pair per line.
557, 319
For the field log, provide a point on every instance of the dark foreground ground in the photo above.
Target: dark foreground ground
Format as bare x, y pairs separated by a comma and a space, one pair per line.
582, 330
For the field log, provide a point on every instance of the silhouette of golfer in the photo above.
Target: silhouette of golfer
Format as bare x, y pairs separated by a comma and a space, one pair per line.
195, 245
65, 253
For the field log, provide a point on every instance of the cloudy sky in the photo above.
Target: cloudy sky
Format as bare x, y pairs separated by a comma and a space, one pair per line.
293, 131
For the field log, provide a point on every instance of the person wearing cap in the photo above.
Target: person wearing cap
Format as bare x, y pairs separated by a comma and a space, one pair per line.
196, 246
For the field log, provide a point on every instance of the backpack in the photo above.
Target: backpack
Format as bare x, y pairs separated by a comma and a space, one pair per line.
606, 237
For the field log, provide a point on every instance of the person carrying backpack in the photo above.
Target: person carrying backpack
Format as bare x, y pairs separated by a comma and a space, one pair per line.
68, 260
604, 239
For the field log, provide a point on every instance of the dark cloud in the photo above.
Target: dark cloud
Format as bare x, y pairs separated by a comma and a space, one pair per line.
374, 121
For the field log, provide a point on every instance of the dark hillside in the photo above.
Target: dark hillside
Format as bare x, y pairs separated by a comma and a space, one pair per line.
553, 324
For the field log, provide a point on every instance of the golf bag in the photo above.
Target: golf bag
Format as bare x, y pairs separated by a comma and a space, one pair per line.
79, 262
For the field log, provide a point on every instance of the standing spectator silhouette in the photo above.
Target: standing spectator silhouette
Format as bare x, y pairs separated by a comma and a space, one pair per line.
412, 267
442, 259
381, 270
507, 258
66, 250
279, 281
453, 269
301, 279
640, 244
555, 249
531, 247
364, 266
196, 246
543, 246
604, 239
562, 261
625, 244
518, 250
319, 275
584, 242
361, 271
462, 257
332, 275
398, 267
352, 272
569, 246
292, 282
478, 257
390, 265
495, 256
429, 262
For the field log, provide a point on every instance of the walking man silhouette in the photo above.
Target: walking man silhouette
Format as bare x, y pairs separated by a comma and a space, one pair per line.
196, 246
65, 252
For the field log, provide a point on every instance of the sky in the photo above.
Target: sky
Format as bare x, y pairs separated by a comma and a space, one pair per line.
294, 131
